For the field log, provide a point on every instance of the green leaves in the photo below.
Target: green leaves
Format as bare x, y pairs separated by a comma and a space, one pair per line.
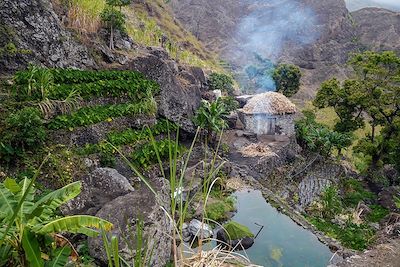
59, 257
287, 79
210, 116
32, 249
74, 224
91, 115
220, 81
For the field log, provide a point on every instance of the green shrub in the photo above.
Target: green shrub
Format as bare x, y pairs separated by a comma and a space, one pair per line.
24, 129
220, 81
230, 103
354, 192
331, 202
319, 138
377, 214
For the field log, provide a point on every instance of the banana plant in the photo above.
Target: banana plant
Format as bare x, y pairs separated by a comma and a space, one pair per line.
28, 226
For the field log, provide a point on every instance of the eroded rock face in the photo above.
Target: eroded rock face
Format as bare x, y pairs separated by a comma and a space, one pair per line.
181, 87
33, 25
98, 188
125, 212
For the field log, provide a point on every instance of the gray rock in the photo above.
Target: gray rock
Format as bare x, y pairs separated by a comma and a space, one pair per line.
200, 230
34, 26
180, 95
98, 188
125, 212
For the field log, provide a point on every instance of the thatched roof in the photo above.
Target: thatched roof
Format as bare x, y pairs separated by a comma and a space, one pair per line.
269, 103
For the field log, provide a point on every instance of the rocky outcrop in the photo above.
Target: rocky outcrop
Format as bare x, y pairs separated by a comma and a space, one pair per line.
34, 29
377, 28
98, 188
126, 211
181, 86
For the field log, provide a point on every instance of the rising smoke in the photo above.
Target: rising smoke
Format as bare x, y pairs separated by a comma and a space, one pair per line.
269, 27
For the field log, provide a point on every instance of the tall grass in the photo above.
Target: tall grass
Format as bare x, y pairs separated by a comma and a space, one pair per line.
84, 15
174, 170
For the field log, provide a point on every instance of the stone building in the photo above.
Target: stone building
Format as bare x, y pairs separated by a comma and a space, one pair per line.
269, 113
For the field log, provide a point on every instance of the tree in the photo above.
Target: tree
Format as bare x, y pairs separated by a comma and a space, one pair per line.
371, 96
287, 79
220, 81
114, 19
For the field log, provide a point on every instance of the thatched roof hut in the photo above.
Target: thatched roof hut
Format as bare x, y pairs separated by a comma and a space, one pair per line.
269, 113
269, 103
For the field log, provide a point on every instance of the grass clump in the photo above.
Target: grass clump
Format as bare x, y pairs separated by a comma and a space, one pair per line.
354, 192
236, 230
218, 209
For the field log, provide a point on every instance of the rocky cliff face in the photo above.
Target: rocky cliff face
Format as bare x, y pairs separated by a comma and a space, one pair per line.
31, 32
337, 32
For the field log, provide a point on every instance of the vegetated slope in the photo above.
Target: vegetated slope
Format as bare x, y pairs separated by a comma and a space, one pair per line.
338, 31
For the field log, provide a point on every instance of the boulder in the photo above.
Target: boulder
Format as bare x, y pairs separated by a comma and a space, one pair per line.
34, 28
126, 211
386, 197
198, 229
181, 89
239, 237
98, 188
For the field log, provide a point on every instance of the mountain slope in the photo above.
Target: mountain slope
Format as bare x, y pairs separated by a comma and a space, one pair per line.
316, 35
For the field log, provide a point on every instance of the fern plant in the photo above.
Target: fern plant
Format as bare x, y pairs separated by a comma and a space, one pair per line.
28, 226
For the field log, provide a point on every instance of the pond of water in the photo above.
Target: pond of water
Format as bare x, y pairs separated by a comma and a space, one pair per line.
282, 242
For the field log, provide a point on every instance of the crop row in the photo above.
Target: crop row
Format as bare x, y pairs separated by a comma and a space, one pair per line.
91, 115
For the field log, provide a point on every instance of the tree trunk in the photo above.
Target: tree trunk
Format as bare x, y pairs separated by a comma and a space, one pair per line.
112, 38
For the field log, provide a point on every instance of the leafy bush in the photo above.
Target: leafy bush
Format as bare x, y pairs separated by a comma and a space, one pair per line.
220, 81
354, 192
210, 117
23, 130
377, 213
319, 138
287, 79
230, 103
91, 115
28, 226
331, 202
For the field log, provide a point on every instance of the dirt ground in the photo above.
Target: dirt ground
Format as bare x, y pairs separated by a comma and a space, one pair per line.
384, 255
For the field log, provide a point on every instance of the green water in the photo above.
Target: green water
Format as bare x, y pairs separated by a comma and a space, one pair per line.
282, 242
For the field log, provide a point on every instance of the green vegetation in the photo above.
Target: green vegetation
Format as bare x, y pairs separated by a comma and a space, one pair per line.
23, 130
91, 115
354, 192
319, 138
210, 117
236, 230
149, 153
331, 203
220, 81
369, 98
230, 103
217, 209
114, 19
287, 79
28, 225
351, 235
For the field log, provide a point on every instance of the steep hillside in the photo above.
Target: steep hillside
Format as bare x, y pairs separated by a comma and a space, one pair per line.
316, 35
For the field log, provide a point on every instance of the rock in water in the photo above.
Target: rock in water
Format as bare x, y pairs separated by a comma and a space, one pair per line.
200, 230
126, 211
33, 26
98, 188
